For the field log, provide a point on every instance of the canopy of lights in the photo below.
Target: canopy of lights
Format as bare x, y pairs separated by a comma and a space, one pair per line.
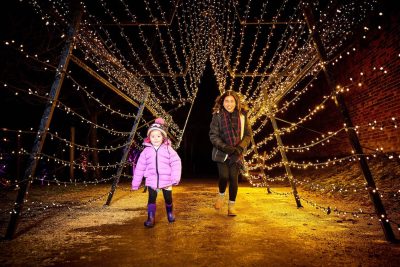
158, 50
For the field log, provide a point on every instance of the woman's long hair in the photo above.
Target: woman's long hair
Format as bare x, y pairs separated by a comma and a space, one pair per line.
241, 106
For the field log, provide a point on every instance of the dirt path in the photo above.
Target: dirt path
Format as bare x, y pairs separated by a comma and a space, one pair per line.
269, 231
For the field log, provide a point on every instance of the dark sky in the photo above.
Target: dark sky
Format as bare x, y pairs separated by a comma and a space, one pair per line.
196, 146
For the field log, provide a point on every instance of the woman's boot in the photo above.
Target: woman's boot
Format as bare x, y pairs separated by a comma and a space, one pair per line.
170, 214
151, 215
220, 201
231, 209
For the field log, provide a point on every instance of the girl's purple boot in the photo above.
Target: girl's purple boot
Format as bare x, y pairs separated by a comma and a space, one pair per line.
151, 215
170, 214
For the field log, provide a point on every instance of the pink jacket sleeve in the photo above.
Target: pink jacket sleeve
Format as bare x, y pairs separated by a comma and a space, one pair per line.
176, 167
139, 171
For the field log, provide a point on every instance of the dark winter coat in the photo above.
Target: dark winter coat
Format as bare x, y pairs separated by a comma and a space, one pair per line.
216, 133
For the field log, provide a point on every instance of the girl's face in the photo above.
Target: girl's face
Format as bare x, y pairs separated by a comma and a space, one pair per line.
156, 138
229, 103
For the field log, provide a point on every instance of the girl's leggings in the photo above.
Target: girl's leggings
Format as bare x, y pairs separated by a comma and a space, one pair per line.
153, 196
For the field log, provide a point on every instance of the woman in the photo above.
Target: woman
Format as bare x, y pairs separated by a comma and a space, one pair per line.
230, 134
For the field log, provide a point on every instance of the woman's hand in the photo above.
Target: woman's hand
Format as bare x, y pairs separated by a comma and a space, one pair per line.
229, 149
238, 150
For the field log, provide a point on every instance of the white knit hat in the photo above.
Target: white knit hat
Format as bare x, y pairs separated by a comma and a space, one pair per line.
158, 125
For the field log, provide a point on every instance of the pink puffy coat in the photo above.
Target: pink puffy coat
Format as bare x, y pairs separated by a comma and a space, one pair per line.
161, 167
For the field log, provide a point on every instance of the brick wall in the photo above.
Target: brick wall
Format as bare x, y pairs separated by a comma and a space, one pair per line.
378, 98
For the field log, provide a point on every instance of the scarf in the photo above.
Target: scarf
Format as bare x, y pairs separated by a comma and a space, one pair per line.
230, 127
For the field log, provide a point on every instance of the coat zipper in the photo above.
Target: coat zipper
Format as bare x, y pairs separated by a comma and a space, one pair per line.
158, 176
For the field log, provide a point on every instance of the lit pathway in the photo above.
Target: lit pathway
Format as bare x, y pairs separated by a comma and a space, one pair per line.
269, 231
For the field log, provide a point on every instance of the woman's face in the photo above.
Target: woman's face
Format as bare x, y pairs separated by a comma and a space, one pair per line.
229, 103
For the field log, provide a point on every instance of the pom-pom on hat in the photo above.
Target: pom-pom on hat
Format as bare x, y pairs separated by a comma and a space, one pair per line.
158, 125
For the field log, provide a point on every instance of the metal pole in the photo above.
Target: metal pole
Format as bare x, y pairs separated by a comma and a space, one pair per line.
285, 160
44, 126
352, 135
126, 149
187, 119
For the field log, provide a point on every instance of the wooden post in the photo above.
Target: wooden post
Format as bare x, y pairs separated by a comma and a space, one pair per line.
127, 148
72, 155
285, 160
44, 125
352, 135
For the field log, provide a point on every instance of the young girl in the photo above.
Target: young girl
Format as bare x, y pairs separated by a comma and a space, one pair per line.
161, 166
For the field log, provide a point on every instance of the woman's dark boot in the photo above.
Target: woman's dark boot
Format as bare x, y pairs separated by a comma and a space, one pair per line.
170, 214
151, 215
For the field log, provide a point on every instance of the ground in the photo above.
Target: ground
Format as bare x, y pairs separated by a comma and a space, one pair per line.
270, 230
